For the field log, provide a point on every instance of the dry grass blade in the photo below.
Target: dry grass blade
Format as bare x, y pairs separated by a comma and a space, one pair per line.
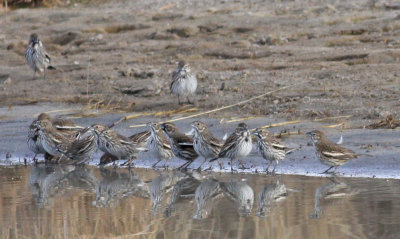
228, 106
240, 119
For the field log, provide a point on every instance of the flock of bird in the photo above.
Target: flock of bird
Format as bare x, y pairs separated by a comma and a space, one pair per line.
63, 139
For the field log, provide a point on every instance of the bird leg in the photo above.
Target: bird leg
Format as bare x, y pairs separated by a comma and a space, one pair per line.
199, 168
188, 100
241, 164
326, 171
231, 165
34, 159
154, 165
266, 170
179, 100
44, 73
273, 170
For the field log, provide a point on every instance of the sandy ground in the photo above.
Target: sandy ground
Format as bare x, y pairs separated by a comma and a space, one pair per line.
382, 145
120, 56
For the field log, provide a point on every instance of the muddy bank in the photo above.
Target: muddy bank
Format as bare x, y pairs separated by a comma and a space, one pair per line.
119, 56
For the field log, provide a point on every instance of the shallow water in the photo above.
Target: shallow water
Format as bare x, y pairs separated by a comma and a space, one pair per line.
87, 202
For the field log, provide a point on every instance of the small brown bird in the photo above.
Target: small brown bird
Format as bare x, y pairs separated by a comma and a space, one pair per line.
328, 152
204, 142
159, 144
64, 126
115, 144
270, 148
181, 145
184, 83
80, 150
50, 137
238, 145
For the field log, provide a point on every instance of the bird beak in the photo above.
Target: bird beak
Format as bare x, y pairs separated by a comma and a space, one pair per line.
309, 134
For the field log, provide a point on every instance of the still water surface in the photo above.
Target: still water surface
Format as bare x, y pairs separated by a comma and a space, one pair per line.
86, 202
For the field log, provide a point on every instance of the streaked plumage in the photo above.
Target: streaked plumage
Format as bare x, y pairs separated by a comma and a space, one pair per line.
270, 148
50, 137
159, 144
63, 126
204, 194
270, 194
36, 55
328, 152
204, 142
181, 145
241, 194
80, 150
238, 145
141, 139
184, 83
115, 144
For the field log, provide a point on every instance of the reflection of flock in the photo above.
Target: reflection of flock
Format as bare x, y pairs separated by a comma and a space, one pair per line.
167, 190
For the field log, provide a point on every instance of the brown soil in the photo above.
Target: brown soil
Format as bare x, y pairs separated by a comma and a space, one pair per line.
120, 55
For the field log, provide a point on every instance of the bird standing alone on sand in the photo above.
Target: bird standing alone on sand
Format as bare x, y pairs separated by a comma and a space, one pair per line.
181, 145
238, 145
37, 57
184, 83
270, 148
204, 142
328, 152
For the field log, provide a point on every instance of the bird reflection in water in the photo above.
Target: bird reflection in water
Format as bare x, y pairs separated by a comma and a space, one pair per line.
183, 189
269, 196
241, 194
332, 190
204, 195
116, 186
48, 181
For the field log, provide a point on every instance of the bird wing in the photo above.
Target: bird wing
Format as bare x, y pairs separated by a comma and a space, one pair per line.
229, 144
140, 137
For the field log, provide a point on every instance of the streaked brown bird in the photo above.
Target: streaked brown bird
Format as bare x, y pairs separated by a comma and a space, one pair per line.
141, 139
80, 150
237, 146
270, 148
204, 142
328, 152
115, 144
159, 144
184, 83
67, 127
37, 57
182, 145
50, 137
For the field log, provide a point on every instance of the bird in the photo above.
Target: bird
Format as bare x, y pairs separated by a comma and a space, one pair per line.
37, 57
205, 192
181, 145
184, 83
159, 144
270, 148
328, 152
141, 139
204, 142
270, 194
79, 150
241, 194
115, 144
184, 188
238, 145
50, 137
67, 127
